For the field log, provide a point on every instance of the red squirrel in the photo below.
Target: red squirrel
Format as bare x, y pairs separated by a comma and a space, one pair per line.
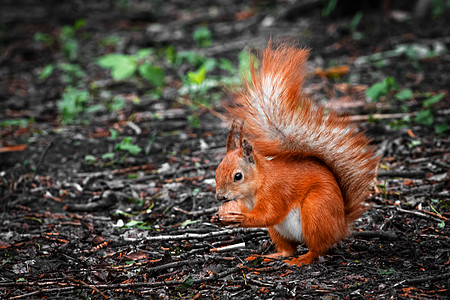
291, 167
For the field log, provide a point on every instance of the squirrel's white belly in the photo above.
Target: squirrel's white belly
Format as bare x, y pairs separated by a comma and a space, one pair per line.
291, 227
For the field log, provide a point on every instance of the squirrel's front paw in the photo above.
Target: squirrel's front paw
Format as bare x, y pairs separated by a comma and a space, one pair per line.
228, 214
231, 217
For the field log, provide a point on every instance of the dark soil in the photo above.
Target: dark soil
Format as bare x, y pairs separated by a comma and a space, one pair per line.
138, 226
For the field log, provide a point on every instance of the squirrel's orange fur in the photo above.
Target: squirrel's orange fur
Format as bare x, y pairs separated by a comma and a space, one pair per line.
299, 172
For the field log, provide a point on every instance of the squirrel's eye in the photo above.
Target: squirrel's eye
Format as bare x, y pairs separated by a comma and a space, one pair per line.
238, 176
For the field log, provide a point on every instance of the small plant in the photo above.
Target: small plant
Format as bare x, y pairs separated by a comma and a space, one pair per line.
403, 95
112, 40
71, 73
90, 159
43, 38
425, 116
21, 123
127, 145
72, 104
124, 66
439, 7
67, 38
329, 6
355, 21
415, 52
46, 72
203, 37
379, 89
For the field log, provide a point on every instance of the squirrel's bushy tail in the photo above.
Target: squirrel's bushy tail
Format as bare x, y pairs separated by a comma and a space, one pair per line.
280, 120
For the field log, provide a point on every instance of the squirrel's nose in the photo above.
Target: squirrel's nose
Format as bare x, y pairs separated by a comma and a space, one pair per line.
220, 197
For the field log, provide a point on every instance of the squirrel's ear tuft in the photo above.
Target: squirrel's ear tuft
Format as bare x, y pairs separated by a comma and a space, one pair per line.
232, 140
247, 151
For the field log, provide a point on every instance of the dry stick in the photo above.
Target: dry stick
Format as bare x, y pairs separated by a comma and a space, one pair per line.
135, 285
359, 118
419, 214
89, 286
203, 236
174, 265
196, 213
41, 159
402, 173
228, 248
375, 234
424, 279
155, 175
171, 173
61, 289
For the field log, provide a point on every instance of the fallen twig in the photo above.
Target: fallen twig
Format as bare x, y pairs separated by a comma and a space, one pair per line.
228, 248
375, 234
196, 213
419, 214
425, 279
203, 236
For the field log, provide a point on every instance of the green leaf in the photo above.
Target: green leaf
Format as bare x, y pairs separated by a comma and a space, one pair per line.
386, 272
89, 159
126, 145
197, 77
171, 55
195, 192
70, 49
43, 37
117, 104
414, 143
355, 21
245, 60
188, 282
125, 68
23, 123
433, 100
46, 72
227, 65
203, 37
122, 66
404, 95
188, 222
154, 75
114, 134
94, 108
209, 64
425, 117
380, 89
328, 8
72, 103
193, 121
376, 91
108, 155
442, 128
143, 53
108, 61
67, 32
110, 40
391, 84
193, 58
79, 23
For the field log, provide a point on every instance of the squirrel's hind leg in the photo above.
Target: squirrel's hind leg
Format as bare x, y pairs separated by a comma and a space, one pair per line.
323, 222
285, 247
304, 259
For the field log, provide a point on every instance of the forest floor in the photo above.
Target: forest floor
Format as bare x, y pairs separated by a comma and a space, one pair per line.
107, 161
